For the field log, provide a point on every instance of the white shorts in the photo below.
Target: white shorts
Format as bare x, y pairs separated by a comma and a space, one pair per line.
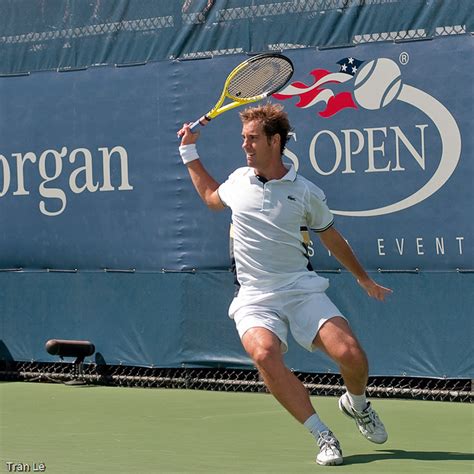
301, 307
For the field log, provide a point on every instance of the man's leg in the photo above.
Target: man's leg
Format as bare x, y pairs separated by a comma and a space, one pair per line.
264, 348
336, 339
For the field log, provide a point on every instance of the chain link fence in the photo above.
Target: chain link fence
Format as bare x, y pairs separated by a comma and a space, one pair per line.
228, 380
37, 36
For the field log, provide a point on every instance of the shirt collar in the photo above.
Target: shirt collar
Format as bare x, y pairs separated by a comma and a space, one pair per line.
291, 175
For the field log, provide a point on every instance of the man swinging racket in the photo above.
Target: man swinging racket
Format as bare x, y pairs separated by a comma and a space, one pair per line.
270, 204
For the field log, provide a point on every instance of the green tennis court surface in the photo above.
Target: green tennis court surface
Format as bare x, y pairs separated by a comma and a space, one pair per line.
132, 430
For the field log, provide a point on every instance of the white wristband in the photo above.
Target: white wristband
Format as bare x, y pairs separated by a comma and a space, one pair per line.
188, 153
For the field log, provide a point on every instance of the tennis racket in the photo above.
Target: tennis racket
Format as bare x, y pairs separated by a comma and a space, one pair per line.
251, 81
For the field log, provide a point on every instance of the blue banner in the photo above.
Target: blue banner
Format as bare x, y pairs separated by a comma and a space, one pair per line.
175, 320
90, 177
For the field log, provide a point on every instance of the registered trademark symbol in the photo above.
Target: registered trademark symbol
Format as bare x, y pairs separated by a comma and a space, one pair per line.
404, 58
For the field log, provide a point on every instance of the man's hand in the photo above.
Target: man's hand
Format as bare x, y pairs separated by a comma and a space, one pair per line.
187, 137
373, 289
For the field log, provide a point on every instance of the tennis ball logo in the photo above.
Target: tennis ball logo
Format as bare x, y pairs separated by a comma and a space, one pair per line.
377, 84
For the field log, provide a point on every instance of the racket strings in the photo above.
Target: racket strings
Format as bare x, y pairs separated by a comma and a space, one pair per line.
263, 76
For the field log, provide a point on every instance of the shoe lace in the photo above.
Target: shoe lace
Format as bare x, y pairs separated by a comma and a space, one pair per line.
368, 417
327, 441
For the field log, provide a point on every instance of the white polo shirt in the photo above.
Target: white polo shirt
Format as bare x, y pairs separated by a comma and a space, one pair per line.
267, 219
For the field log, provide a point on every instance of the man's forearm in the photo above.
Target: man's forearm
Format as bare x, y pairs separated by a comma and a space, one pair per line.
341, 250
336, 244
205, 184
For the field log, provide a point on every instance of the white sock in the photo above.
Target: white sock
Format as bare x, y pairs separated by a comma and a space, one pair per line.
358, 402
315, 425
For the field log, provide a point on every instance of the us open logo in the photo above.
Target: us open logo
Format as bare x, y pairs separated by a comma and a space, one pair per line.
376, 84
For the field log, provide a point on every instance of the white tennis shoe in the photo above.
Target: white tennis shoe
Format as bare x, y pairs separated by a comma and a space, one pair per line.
367, 421
330, 453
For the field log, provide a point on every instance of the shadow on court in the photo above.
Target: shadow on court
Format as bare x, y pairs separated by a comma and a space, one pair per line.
394, 454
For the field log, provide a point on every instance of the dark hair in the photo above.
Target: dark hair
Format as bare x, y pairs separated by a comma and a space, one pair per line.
273, 118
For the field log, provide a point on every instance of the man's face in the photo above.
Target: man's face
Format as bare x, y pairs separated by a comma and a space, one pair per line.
258, 148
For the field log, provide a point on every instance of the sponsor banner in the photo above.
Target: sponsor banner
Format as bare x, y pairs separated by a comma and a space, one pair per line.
90, 176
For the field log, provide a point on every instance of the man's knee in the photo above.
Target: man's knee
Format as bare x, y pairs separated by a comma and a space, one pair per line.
351, 354
263, 347
339, 342
265, 356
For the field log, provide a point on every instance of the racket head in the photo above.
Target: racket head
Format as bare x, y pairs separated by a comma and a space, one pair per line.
258, 77
252, 80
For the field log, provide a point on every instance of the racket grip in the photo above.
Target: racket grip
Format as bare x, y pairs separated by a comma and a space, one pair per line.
204, 120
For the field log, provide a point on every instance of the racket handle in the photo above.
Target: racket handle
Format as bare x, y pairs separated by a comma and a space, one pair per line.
204, 120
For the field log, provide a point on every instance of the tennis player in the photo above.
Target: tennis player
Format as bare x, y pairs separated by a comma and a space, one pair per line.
278, 291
